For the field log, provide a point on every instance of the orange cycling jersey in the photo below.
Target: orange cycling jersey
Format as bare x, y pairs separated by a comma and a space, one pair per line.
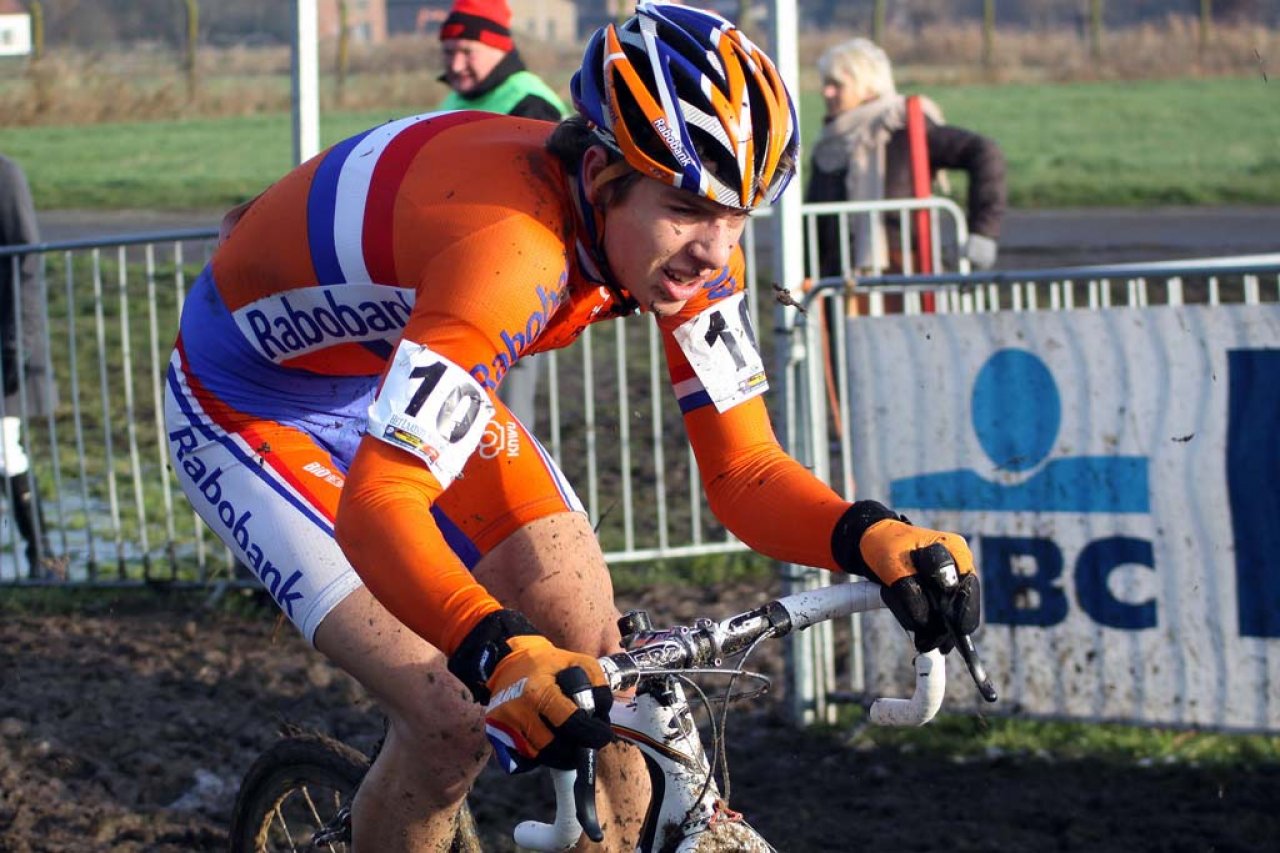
458, 234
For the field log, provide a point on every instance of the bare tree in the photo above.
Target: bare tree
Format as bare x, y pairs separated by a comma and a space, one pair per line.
1206, 25
344, 49
1042, 13
988, 33
189, 55
1095, 29
36, 8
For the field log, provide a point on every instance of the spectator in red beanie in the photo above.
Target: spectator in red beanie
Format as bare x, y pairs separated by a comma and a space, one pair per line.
484, 69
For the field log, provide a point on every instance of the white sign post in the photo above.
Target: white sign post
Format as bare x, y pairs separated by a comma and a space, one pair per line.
306, 83
15, 35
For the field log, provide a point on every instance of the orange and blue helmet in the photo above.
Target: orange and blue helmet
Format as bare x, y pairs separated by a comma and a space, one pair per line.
687, 99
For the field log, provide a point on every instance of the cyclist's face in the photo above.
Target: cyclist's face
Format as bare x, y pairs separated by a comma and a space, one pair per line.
664, 244
468, 62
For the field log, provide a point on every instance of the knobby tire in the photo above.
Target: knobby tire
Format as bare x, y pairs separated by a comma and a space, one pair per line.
293, 790
297, 787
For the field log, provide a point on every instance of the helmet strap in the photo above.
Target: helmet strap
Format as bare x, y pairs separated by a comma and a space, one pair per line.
592, 217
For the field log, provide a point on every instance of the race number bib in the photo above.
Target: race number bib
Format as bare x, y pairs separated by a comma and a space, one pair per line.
721, 348
432, 408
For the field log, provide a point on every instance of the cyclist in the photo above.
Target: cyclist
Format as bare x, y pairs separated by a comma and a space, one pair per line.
337, 365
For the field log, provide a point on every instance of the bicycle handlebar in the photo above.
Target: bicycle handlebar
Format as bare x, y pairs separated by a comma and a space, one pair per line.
707, 643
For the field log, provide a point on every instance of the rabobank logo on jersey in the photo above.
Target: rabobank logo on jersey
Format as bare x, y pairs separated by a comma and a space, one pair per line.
516, 341
300, 321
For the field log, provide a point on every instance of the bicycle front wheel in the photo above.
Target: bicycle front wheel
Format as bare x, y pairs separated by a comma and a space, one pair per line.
298, 789
297, 796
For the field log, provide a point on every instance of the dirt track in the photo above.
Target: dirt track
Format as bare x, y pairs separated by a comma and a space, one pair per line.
128, 731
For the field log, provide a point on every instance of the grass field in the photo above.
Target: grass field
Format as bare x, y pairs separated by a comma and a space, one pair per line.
1193, 141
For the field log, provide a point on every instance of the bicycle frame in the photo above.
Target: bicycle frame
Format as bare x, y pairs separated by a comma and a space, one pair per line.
686, 812
686, 802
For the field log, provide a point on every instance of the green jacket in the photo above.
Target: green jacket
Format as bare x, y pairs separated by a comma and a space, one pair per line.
512, 90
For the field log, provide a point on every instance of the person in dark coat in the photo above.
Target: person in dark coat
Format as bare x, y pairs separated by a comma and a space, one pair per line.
23, 352
863, 154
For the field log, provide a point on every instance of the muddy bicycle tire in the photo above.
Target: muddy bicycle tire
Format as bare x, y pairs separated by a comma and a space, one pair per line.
292, 791
298, 787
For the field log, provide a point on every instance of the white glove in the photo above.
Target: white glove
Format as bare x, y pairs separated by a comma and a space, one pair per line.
981, 251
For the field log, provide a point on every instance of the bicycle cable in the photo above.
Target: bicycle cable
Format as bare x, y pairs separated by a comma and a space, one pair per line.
720, 757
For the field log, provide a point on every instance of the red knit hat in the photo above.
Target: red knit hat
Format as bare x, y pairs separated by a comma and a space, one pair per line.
487, 21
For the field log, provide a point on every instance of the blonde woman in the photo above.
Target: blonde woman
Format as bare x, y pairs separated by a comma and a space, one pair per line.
863, 154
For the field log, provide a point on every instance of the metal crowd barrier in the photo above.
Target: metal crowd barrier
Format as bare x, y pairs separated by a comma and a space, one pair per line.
114, 514
97, 458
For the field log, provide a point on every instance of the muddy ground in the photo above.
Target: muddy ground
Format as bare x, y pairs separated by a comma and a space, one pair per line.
127, 729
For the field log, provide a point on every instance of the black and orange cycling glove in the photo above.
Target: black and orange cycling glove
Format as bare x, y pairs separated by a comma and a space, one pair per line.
517, 674
877, 543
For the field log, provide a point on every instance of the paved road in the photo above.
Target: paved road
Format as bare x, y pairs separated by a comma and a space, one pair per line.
79, 224
1041, 238
1032, 238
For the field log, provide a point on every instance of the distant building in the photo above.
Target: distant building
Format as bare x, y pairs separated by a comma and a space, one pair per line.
15, 29
593, 14
554, 21
366, 20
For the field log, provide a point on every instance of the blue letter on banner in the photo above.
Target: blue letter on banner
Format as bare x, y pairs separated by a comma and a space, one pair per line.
1012, 598
1096, 562
1253, 486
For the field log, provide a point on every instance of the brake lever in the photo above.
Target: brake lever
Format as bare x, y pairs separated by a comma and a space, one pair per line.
574, 682
937, 568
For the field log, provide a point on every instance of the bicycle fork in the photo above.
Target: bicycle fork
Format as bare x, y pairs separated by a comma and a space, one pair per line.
686, 811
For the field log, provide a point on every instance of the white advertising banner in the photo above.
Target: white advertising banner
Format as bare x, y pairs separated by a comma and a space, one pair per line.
15, 35
1117, 473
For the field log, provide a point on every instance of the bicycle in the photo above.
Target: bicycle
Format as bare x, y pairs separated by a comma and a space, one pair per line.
686, 812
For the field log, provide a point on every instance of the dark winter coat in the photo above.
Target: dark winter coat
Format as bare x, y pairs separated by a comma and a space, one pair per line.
949, 148
18, 227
